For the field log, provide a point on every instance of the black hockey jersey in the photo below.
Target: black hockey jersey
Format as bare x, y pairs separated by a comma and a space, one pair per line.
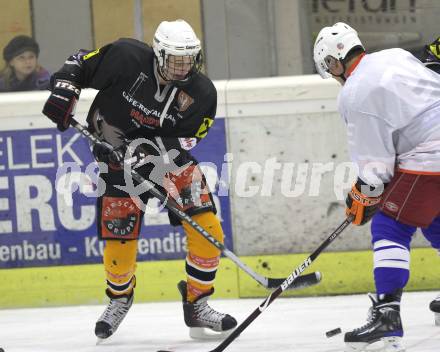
131, 104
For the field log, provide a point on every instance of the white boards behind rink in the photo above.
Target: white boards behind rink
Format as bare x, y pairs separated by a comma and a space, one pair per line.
287, 168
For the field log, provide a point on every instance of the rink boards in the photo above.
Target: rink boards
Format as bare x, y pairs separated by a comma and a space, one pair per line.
275, 130
343, 272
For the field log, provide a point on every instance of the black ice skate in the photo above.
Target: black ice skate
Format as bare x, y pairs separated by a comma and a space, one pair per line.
199, 316
113, 315
383, 324
435, 307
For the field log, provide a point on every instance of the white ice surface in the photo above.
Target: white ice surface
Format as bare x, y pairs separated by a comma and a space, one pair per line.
289, 324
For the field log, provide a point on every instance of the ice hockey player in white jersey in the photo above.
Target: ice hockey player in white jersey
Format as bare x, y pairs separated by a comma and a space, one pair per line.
390, 103
430, 56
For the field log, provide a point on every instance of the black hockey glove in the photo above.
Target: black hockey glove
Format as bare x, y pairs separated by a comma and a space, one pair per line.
60, 106
360, 205
112, 157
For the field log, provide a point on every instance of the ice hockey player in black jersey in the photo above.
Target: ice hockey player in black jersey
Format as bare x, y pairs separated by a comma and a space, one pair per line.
157, 98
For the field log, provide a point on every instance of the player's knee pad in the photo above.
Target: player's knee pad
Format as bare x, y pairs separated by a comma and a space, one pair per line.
391, 243
389, 254
391, 266
120, 266
196, 243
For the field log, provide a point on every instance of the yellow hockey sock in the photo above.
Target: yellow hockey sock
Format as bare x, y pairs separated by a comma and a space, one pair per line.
203, 258
120, 266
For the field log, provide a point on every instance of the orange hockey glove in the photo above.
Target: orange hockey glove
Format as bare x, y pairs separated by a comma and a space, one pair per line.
360, 205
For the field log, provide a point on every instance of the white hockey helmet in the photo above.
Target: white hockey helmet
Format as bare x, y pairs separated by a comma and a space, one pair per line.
335, 41
176, 39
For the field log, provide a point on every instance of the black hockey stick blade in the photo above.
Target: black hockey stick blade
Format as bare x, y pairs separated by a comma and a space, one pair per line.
301, 282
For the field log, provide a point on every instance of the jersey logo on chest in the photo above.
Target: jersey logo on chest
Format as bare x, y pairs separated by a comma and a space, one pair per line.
183, 101
136, 85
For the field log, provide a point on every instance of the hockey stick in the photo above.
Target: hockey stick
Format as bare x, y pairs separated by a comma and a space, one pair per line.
289, 280
171, 205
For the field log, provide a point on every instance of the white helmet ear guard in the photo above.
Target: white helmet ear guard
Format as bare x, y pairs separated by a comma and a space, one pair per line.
176, 38
323, 69
335, 41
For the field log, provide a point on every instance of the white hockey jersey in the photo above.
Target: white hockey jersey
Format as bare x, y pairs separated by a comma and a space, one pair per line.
391, 105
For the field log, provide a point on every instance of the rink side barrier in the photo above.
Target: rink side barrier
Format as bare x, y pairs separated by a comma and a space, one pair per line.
285, 116
343, 272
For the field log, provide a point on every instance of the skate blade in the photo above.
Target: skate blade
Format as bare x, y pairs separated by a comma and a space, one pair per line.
437, 319
208, 334
386, 344
99, 341
355, 346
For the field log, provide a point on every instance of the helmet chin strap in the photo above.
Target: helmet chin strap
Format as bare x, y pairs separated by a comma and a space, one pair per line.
158, 67
159, 71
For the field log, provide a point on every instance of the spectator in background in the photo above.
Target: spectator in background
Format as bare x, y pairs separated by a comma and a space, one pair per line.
22, 71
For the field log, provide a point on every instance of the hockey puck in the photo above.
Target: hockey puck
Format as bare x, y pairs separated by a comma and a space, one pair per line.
333, 332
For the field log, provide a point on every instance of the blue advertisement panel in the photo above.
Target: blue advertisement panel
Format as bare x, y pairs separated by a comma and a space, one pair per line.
41, 226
